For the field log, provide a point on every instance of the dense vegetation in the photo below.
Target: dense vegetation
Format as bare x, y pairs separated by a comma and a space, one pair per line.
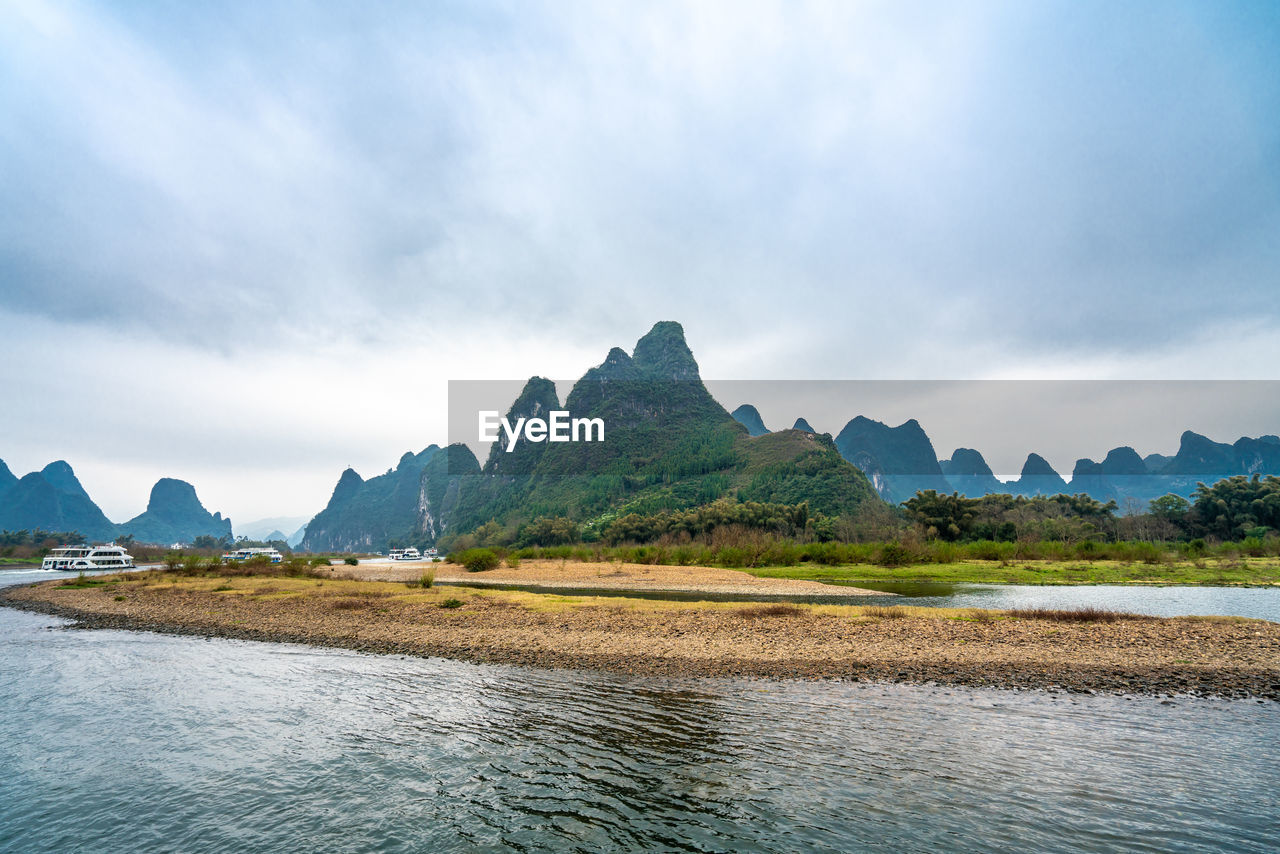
1231, 521
1234, 509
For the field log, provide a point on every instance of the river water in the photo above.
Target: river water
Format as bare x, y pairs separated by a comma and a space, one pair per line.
1262, 603
124, 741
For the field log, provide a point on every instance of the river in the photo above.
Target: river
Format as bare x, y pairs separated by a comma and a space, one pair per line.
124, 741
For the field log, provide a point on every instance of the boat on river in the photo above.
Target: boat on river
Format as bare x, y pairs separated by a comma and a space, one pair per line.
238, 555
109, 556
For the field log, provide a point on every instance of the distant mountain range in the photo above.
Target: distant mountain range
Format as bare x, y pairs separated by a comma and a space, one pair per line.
274, 528
900, 460
53, 499
670, 445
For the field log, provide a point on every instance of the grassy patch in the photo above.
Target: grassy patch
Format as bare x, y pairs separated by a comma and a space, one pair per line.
451, 603
778, 610
84, 581
1077, 615
425, 580
1251, 571
892, 612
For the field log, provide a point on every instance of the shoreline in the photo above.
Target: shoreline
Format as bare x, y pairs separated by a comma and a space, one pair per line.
1232, 658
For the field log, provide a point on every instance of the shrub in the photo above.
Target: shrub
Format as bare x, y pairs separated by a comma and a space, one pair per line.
351, 560
986, 550
476, 560
893, 554
319, 561
451, 603
426, 579
513, 560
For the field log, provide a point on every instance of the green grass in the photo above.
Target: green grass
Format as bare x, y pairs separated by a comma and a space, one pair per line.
1257, 571
84, 581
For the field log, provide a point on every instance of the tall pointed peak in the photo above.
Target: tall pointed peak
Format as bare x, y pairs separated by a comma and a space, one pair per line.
7, 478
662, 353
748, 416
615, 365
1037, 465
802, 424
62, 478
349, 484
537, 397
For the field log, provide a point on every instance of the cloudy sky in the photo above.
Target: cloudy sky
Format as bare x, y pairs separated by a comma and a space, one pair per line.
247, 244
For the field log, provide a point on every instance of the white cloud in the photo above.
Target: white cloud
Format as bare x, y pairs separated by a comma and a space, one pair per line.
314, 210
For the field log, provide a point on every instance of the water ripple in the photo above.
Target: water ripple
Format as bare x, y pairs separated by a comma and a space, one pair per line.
115, 741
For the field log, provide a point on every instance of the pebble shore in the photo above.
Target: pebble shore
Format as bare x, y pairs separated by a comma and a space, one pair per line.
1146, 656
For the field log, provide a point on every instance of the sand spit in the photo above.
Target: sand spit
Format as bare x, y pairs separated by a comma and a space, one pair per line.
572, 575
1214, 656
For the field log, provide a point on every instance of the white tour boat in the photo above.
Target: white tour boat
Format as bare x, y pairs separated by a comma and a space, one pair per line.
109, 556
272, 555
405, 554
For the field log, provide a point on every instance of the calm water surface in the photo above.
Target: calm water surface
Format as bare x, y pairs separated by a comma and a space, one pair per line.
1258, 602
120, 741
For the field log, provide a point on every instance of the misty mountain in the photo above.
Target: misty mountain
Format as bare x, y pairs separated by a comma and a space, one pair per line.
175, 515
968, 473
363, 515
1038, 478
801, 424
51, 499
899, 461
7, 479
261, 529
749, 417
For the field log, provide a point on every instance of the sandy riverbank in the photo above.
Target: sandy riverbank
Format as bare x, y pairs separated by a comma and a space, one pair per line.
1223, 657
572, 575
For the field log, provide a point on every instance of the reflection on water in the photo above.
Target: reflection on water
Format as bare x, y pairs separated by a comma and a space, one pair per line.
117, 741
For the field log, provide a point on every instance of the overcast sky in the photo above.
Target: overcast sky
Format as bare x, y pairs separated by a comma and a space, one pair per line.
247, 244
